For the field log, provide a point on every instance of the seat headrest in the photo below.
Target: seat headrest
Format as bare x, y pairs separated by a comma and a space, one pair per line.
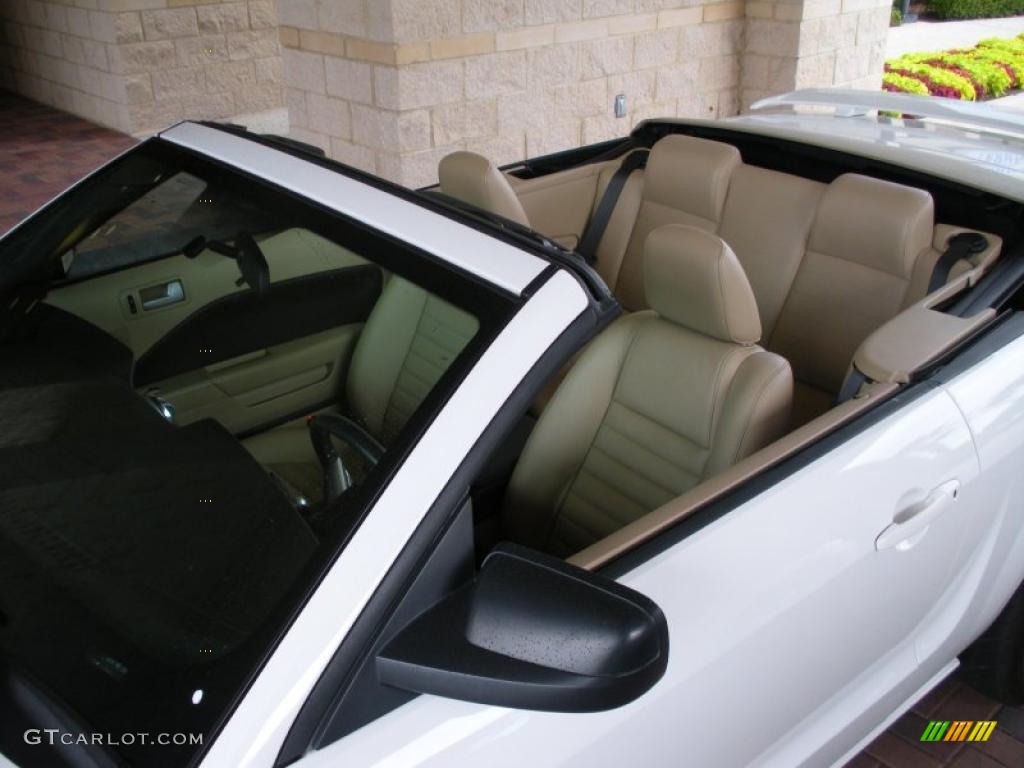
693, 279
874, 223
474, 179
690, 175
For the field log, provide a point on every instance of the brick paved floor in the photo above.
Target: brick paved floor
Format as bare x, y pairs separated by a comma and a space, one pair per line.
901, 745
43, 151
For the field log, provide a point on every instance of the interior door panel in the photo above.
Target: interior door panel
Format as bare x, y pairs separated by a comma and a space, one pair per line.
559, 204
103, 302
244, 322
263, 387
213, 348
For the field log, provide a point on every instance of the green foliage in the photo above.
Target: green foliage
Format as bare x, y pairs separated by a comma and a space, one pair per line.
896, 17
1012, 63
1013, 44
903, 84
940, 81
974, 9
986, 71
993, 78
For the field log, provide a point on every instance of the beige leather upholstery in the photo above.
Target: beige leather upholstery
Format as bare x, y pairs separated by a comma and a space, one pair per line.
828, 264
766, 221
560, 204
410, 339
678, 509
866, 238
712, 297
922, 275
685, 182
475, 180
658, 402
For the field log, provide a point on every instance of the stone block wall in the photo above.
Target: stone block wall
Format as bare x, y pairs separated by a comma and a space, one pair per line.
391, 86
141, 65
813, 44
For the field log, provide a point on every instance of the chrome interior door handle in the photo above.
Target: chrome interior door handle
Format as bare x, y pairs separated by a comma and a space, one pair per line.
156, 296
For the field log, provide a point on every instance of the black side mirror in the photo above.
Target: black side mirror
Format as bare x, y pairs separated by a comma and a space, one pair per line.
532, 632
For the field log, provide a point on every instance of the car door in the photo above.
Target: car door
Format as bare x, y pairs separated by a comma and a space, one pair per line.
987, 384
792, 619
203, 340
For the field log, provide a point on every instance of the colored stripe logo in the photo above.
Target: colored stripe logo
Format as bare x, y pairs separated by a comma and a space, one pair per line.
958, 730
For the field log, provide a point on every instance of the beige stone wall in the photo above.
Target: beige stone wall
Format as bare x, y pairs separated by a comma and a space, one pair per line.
392, 86
813, 44
140, 65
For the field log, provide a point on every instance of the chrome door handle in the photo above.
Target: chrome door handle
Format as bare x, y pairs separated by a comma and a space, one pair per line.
156, 296
915, 519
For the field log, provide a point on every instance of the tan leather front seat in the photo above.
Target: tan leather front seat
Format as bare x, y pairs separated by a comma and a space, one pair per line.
657, 403
474, 179
407, 343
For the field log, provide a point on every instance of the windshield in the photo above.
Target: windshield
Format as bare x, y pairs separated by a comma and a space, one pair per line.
172, 333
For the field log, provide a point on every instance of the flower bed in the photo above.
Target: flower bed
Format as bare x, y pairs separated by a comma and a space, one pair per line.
986, 71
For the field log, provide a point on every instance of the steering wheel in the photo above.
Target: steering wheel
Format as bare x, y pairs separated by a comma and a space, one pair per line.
325, 426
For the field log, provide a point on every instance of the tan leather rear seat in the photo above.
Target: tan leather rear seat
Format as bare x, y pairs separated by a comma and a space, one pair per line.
685, 182
766, 221
828, 264
474, 179
865, 241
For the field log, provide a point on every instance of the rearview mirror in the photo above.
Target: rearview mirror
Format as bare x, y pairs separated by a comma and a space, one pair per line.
532, 632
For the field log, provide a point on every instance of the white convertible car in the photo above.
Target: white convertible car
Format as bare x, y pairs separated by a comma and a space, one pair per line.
703, 446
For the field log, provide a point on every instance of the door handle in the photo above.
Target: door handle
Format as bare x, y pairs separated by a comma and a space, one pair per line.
915, 519
156, 296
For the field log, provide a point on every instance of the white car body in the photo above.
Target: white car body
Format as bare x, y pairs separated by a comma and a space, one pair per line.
794, 640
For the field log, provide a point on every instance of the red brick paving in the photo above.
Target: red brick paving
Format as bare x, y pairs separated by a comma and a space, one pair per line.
43, 151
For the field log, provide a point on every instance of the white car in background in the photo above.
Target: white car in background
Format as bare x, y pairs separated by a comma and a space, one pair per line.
303, 468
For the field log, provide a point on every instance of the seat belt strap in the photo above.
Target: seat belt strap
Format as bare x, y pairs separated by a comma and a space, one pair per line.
959, 247
851, 386
599, 223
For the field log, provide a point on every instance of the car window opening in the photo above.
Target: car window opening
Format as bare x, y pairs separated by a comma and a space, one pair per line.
164, 505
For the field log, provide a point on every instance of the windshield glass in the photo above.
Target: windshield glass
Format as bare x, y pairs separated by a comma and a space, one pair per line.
206, 383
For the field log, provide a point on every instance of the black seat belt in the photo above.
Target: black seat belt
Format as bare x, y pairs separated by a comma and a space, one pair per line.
599, 222
959, 247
